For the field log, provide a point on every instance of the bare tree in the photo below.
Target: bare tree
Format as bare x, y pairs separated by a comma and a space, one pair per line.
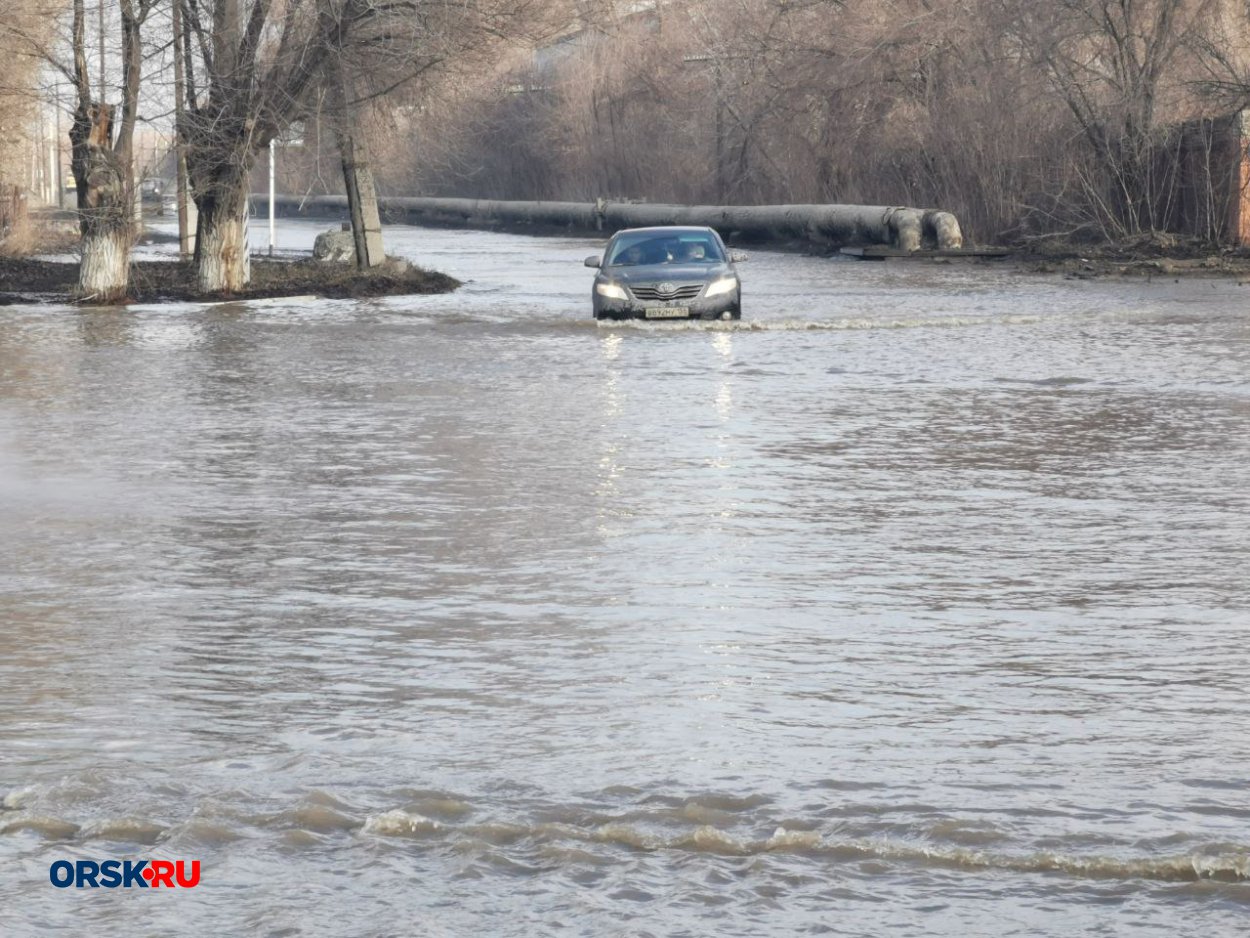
26, 31
1023, 117
102, 153
247, 66
1223, 56
253, 67
1116, 66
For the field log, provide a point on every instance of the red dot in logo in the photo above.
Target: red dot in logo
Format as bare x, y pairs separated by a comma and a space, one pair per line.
148, 873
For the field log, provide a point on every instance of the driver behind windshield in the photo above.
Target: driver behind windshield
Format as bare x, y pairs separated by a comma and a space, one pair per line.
632, 255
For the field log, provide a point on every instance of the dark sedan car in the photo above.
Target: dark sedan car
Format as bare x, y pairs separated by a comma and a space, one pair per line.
666, 273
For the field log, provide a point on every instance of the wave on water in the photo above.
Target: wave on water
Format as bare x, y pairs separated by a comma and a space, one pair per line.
541, 317
671, 828
399, 822
126, 830
817, 325
18, 798
1230, 865
49, 828
1224, 867
542, 320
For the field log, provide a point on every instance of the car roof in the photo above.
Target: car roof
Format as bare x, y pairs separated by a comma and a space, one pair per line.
667, 229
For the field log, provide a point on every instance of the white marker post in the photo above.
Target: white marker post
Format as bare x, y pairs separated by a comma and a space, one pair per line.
271, 196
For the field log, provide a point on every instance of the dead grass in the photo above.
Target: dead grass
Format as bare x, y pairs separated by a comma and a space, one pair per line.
18, 241
35, 234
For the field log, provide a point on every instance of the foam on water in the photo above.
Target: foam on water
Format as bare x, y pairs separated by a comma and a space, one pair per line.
400, 823
18, 798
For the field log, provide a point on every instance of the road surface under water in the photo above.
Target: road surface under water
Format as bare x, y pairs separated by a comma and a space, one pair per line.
914, 604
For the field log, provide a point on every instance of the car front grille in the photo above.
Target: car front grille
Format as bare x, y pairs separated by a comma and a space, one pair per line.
684, 292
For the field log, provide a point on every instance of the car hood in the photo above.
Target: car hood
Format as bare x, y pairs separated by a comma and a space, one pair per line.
671, 273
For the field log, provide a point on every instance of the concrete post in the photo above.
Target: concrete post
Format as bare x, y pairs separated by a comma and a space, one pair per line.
362, 201
362, 195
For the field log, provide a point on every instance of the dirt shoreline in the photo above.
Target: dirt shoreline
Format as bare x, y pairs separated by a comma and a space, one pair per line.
1139, 260
28, 280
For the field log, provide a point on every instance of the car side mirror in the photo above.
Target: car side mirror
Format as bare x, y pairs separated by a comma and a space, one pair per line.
739, 256
592, 261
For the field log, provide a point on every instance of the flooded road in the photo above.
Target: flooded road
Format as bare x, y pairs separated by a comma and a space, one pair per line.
914, 604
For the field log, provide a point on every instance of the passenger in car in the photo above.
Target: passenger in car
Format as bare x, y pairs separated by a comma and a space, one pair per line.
654, 252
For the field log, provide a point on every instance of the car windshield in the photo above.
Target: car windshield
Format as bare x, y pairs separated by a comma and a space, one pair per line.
637, 249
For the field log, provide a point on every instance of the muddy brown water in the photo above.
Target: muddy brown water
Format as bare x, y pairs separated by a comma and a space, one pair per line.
914, 604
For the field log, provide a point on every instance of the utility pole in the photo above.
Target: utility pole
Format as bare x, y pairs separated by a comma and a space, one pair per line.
721, 194
718, 91
103, 80
186, 209
45, 161
59, 201
272, 192
362, 195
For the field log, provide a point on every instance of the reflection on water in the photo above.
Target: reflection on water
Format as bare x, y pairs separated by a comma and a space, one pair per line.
488, 618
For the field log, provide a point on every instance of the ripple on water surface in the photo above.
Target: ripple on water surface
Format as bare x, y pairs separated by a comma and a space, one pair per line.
897, 606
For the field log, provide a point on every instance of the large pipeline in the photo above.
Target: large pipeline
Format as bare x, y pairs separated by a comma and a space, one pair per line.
822, 226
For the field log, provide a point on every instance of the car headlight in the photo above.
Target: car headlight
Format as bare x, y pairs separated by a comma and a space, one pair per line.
723, 285
611, 291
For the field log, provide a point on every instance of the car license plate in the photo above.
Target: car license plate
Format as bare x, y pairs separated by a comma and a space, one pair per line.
668, 312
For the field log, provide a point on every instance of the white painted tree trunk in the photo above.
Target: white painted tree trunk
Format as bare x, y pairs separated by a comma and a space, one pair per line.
104, 275
224, 265
104, 208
